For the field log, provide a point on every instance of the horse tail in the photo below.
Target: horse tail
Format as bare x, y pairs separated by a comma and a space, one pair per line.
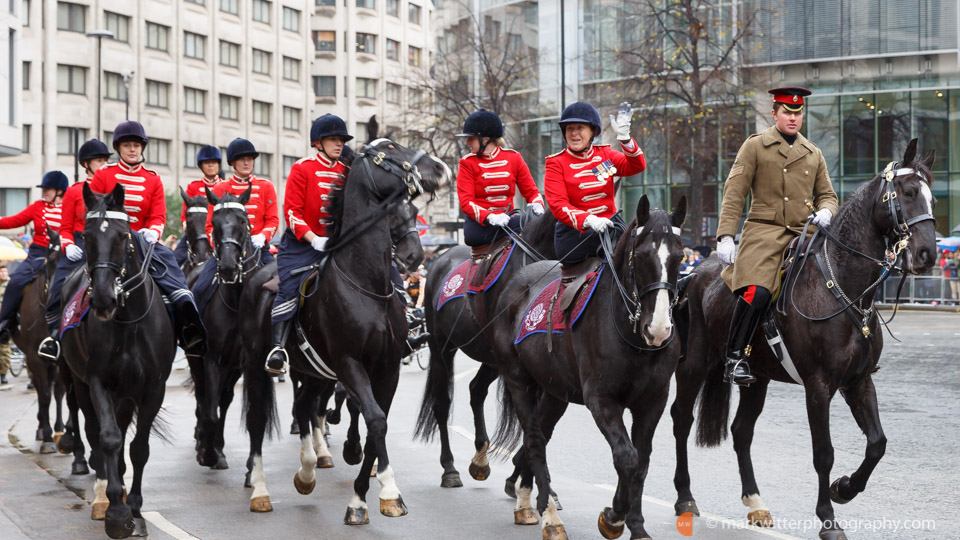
161, 427
439, 381
509, 432
714, 407
258, 391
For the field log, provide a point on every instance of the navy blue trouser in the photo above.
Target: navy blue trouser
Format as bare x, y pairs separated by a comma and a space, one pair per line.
206, 283
64, 268
476, 234
180, 253
293, 254
573, 246
23, 275
169, 278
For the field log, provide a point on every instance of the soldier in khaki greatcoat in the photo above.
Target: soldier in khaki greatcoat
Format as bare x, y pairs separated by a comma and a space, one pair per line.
784, 173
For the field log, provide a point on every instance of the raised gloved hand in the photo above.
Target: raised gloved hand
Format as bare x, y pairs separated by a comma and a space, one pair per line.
498, 220
150, 235
621, 123
536, 208
822, 217
597, 223
73, 252
727, 250
258, 240
318, 243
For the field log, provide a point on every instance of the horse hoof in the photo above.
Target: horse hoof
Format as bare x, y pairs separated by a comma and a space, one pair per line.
294, 428
682, 507
352, 456
609, 527
554, 532
760, 518
48, 448
393, 507
832, 534
324, 462
556, 502
303, 488
57, 437
139, 527
246, 480
843, 481
98, 512
221, 464
261, 504
510, 488
205, 459
79, 468
356, 516
39, 435
121, 527
479, 473
525, 516
66, 444
451, 480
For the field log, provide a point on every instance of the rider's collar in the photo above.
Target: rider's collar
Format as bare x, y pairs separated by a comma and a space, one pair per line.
126, 167
244, 180
586, 154
495, 153
324, 160
211, 181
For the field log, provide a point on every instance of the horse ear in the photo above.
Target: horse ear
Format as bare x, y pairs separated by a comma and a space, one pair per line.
245, 198
643, 211
54, 236
183, 195
89, 199
909, 154
116, 197
211, 198
372, 128
928, 163
679, 213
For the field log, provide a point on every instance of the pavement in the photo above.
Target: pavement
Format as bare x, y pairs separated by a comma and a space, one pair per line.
912, 493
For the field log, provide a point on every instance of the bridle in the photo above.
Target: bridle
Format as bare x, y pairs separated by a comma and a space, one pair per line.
123, 287
191, 254
240, 244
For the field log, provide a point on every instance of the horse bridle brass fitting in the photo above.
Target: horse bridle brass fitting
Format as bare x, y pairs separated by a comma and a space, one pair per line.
240, 245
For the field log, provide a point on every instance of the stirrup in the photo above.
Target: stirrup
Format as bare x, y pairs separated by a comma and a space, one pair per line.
273, 371
729, 373
49, 342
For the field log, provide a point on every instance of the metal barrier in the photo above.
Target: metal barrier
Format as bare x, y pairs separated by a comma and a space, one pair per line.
932, 288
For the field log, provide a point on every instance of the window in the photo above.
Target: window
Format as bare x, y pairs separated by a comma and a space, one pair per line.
291, 69
291, 118
158, 36
158, 94
261, 11
71, 17
118, 24
366, 43
229, 6
324, 40
261, 167
194, 100
71, 79
415, 98
288, 163
393, 93
25, 19
261, 113
108, 138
324, 86
13, 200
369, 4
190, 151
25, 145
261, 61
229, 107
393, 49
413, 13
229, 54
113, 86
414, 56
26, 75
393, 7
195, 1
157, 152
67, 145
330, 3
194, 45
366, 88
291, 19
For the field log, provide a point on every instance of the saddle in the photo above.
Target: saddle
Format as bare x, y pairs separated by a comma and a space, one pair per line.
485, 259
573, 281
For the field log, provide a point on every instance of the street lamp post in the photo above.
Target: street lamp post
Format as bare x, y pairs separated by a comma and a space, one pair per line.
99, 34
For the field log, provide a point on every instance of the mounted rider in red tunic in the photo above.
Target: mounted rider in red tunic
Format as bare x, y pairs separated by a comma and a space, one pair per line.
208, 161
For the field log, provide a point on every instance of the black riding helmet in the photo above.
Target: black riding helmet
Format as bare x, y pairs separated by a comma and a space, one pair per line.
581, 113
483, 124
239, 148
92, 149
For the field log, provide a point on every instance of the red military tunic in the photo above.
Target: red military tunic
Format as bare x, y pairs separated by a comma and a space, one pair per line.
74, 212
308, 192
194, 189
143, 194
41, 213
574, 191
486, 185
261, 208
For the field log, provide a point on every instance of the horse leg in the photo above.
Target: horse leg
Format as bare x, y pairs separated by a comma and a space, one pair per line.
749, 409
339, 396
480, 464
861, 397
523, 512
357, 512
91, 427
44, 386
818, 397
646, 415
226, 398
688, 386
140, 453
324, 457
352, 451
199, 393
118, 518
305, 479
260, 405
608, 416
58, 391
294, 387
71, 440
551, 410
206, 452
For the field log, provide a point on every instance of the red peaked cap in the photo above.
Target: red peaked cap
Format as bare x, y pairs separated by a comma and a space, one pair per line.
791, 97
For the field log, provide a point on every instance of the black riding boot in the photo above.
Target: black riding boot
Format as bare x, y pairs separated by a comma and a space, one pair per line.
193, 336
277, 357
415, 342
746, 316
5, 326
50, 347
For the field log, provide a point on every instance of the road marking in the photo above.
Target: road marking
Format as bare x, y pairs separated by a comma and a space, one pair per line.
167, 526
466, 372
468, 435
727, 521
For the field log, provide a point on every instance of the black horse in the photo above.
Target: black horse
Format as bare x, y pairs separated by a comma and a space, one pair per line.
460, 328
894, 209
226, 359
120, 355
620, 355
195, 229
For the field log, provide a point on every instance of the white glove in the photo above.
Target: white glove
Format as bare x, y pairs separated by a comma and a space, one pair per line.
498, 220
318, 243
822, 217
727, 250
536, 208
597, 223
150, 235
621, 124
73, 252
258, 240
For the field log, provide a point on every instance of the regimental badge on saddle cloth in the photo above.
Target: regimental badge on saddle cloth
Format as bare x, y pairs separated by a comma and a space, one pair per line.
605, 170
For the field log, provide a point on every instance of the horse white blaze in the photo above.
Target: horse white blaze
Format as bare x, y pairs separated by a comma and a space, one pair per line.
754, 502
308, 460
319, 443
100, 491
388, 485
927, 196
523, 498
660, 326
550, 515
258, 479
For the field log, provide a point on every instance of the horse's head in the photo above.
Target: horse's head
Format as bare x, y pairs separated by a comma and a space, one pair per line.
656, 254
53, 254
109, 244
904, 209
195, 228
407, 249
231, 233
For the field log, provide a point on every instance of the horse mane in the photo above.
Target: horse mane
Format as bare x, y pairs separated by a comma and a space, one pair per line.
539, 233
335, 205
